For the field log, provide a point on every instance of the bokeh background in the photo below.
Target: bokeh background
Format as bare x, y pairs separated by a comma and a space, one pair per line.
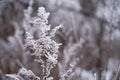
90, 38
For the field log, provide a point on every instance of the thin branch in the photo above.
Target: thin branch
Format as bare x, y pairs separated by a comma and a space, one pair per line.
118, 70
74, 27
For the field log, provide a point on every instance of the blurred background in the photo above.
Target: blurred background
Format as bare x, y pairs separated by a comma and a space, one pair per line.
90, 38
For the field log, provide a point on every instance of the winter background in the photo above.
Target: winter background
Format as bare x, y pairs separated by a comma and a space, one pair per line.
86, 45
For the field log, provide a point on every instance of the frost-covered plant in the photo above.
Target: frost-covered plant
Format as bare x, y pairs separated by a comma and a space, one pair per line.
71, 58
27, 16
23, 74
44, 47
70, 70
